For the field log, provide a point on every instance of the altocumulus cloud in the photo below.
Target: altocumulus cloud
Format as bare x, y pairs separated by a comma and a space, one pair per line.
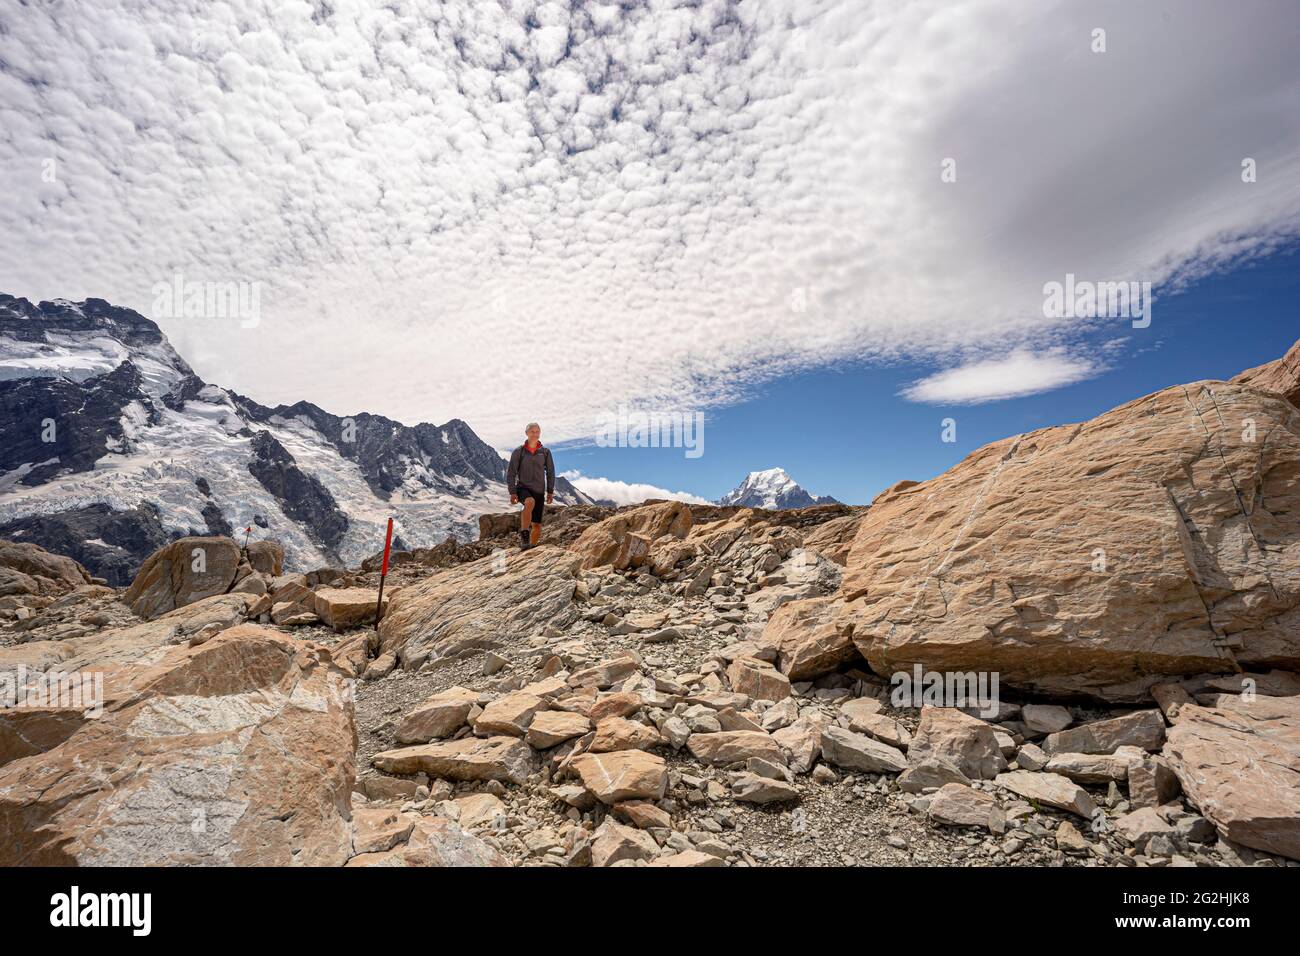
457, 208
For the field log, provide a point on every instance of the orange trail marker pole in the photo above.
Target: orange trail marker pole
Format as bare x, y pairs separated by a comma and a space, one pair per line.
383, 573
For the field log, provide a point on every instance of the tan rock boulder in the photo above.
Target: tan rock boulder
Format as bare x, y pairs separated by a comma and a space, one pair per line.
1157, 540
844, 748
1151, 782
483, 604
344, 608
800, 742
689, 859
734, 746
958, 805
180, 573
614, 842
1239, 764
266, 557
509, 715
237, 752
619, 733
614, 705
550, 728
623, 775
33, 570
623, 540
757, 679
378, 830
1142, 728
810, 637
1049, 789
471, 758
57, 680
967, 742
440, 716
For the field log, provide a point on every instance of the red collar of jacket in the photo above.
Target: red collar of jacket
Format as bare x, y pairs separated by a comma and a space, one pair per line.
534, 451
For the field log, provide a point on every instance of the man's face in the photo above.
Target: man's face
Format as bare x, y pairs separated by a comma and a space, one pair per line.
534, 435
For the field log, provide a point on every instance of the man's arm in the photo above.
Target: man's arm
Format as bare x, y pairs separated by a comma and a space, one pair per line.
550, 474
512, 473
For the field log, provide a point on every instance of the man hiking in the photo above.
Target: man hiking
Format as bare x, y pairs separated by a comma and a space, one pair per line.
531, 469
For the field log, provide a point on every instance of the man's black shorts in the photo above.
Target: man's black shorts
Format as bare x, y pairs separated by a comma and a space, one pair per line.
539, 501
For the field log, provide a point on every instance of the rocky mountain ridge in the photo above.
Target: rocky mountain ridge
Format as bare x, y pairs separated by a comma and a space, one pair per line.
114, 446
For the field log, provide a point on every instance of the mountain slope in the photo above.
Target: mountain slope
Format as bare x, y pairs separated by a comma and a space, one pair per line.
772, 489
113, 445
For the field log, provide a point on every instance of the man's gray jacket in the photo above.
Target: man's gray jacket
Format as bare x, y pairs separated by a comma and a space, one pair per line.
531, 469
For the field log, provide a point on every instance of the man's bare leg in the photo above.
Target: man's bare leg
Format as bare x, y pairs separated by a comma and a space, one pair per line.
526, 521
535, 534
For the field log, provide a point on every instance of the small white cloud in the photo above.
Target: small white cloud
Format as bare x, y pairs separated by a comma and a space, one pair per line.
994, 380
626, 493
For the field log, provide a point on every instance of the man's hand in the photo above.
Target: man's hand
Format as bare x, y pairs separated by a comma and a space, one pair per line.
514, 499
550, 499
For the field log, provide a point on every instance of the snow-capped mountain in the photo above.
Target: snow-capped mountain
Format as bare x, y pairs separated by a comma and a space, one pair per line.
113, 446
774, 490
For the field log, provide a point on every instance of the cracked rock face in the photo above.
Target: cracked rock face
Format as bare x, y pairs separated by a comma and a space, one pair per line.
1239, 762
479, 605
239, 751
1160, 539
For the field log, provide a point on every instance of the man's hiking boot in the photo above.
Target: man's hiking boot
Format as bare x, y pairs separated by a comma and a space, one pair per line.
524, 542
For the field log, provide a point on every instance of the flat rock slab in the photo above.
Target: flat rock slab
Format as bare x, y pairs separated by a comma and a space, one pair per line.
344, 608
1049, 789
734, 746
1142, 728
1239, 764
470, 758
961, 806
623, 775
844, 748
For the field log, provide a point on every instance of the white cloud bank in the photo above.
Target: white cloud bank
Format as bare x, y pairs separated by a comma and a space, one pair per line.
992, 380
625, 493
533, 211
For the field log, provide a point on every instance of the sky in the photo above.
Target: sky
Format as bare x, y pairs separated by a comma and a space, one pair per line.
815, 224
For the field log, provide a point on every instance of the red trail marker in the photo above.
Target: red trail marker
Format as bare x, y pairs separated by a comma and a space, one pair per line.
383, 573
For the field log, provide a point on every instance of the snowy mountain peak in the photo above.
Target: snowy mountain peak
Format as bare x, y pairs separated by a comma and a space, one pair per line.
772, 489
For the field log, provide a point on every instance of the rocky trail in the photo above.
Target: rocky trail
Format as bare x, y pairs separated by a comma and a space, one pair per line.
677, 685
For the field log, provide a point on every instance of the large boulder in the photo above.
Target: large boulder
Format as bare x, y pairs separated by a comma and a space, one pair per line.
810, 638
945, 733
484, 604
106, 665
1160, 539
344, 608
623, 540
185, 571
1239, 764
238, 751
27, 568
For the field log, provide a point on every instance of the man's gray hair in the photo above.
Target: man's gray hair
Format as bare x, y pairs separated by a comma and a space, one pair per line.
530, 426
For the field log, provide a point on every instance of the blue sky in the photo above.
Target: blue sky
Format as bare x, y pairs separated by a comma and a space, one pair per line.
846, 432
